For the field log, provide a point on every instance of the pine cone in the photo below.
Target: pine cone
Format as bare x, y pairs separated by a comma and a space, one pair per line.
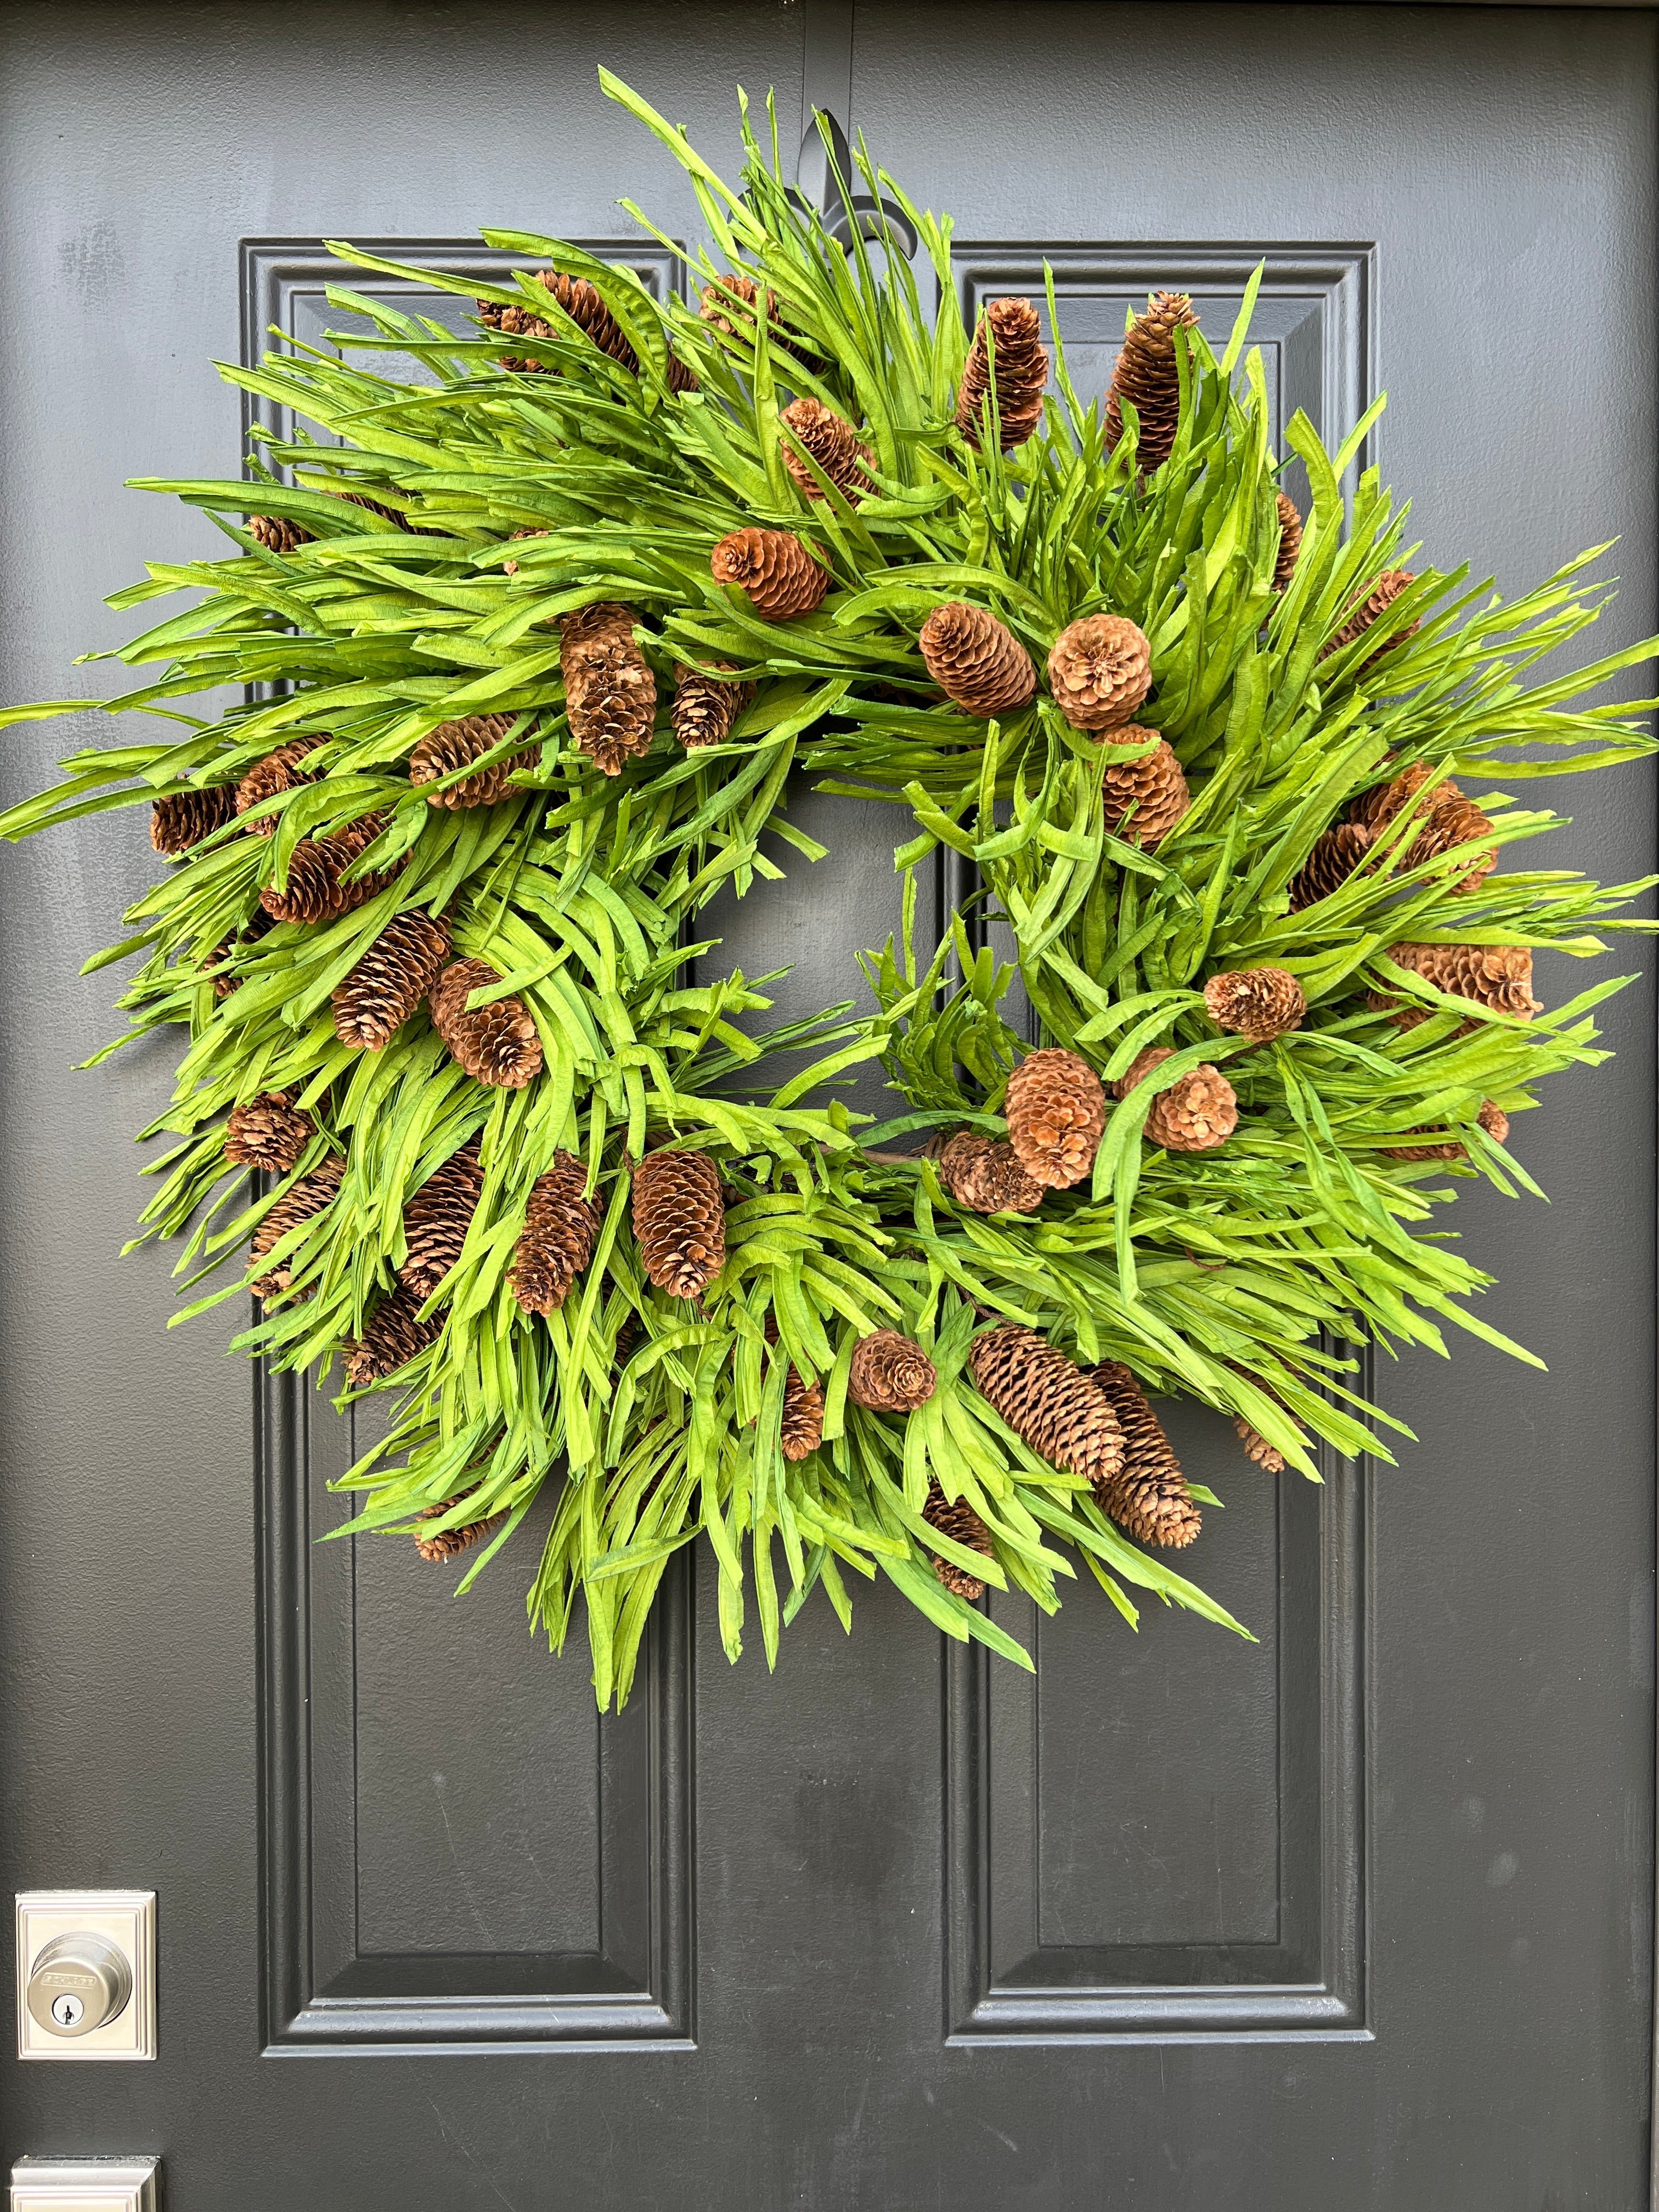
1369, 612
442, 751
1290, 542
835, 445
1147, 377
801, 1429
979, 665
1022, 371
1458, 822
705, 709
1153, 785
225, 980
1259, 1003
1498, 976
511, 568
393, 1333
303, 1203
957, 1520
728, 305
1257, 1448
278, 772
1056, 1116
561, 1229
1099, 670
779, 573
1195, 1115
1494, 1120
389, 982
1445, 1151
602, 621
436, 1219
394, 515
1149, 1497
1050, 1404
497, 1043
611, 697
315, 891
891, 1373
585, 308
1336, 853
1375, 809
268, 1132
185, 817
679, 1220
449, 1543
275, 535
985, 1177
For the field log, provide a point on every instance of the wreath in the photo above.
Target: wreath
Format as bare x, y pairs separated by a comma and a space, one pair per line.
528, 651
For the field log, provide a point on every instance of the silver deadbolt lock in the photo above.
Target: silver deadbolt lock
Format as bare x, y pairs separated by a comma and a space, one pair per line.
78, 1985
86, 1973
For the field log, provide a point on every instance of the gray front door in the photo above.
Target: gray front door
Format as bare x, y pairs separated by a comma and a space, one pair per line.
1357, 1916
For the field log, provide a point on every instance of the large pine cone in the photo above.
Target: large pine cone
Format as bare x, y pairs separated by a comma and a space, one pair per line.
602, 621
1290, 542
1259, 1003
777, 573
891, 1373
957, 1520
1049, 1402
1195, 1115
561, 1229
679, 1220
611, 697
449, 1543
1022, 371
1099, 670
1369, 613
278, 772
1056, 1114
834, 443
185, 817
442, 751
389, 982
985, 1177
977, 661
437, 1218
393, 1333
1336, 853
705, 709
268, 1132
303, 1203
1154, 786
585, 308
316, 867
276, 535
1149, 1497
497, 1043
1146, 375
1498, 976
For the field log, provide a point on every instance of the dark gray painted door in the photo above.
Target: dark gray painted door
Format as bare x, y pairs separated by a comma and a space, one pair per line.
1357, 1917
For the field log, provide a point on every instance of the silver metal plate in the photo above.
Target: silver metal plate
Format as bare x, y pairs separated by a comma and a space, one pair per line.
85, 2185
124, 1918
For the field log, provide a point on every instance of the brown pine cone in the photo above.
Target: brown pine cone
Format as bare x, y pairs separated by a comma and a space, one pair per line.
1022, 371
1056, 1113
1049, 1402
1154, 786
185, 817
1290, 542
1259, 1003
449, 1543
986, 1176
511, 568
801, 1431
497, 1043
891, 1373
276, 535
268, 1132
394, 515
225, 979
303, 1203
957, 1519
1368, 613
977, 661
585, 308
315, 891
1336, 853
705, 709
775, 569
1141, 1067
1099, 670
437, 1218
728, 305
1375, 809
1458, 822
561, 1229
1498, 976
393, 1333
679, 1220
1195, 1115
834, 443
1256, 1447
389, 982
278, 772
1149, 1497
602, 621
610, 698
442, 751
1147, 377
1445, 1151
1494, 1120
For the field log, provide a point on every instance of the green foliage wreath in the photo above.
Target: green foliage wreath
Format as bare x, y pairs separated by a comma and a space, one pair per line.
527, 653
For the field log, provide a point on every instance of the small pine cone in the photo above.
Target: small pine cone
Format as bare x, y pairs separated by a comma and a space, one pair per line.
957, 1520
393, 1333
394, 515
610, 698
449, 1543
1456, 822
561, 1229
834, 443
1494, 1120
442, 751
436, 1219
585, 308
1257, 1448
315, 891
1445, 1151
1259, 1003
777, 571
1049, 1402
389, 982
277, 535
1099, 670
1375, 809
682, 377
1154, 786
185, 817
511, 568
985, 1177
1021, 373
801, 1431
1147, 377
977, 661
1369, 612
1056, 1114
1195, 1115
891, 1373
225, 980
1290, 542
1149, 1497
705, 709
303, 1203
1336, 853
268, 1132
497, 1043
728, 305
679, 1220
278, 772
1498, 976
601, 623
